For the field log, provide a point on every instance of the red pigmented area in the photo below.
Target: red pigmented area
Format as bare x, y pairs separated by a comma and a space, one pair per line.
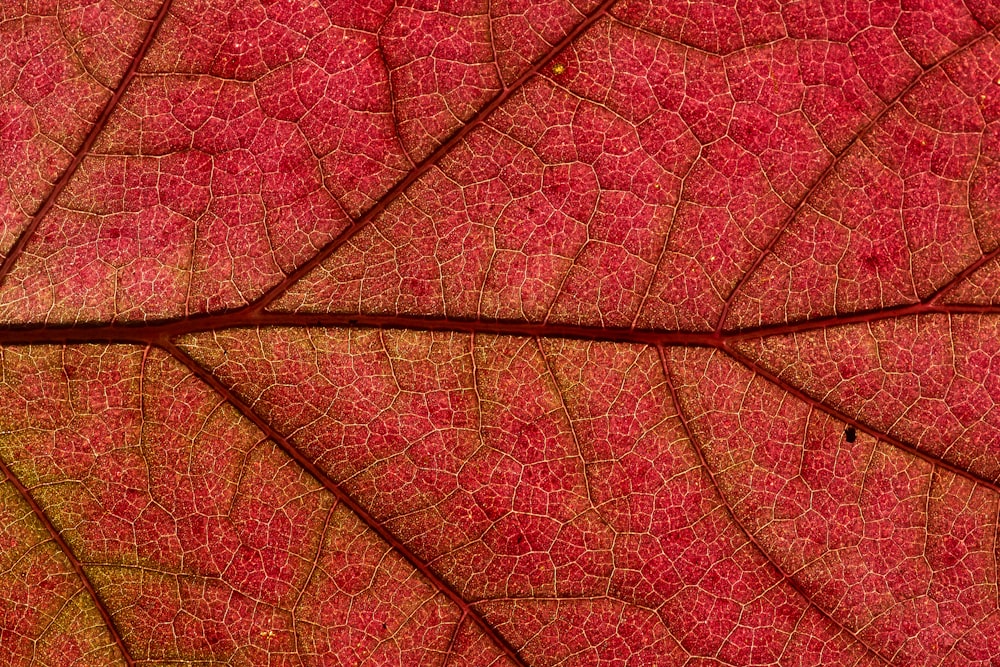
603, 334
59, 62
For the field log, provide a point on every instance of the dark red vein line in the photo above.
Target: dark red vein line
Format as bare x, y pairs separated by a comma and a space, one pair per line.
88, 143
141, 335
975, 17
73, 560
859, 425
788, 578
892, 104
418, 564
863, 317
961, 275
144, 333
394, 193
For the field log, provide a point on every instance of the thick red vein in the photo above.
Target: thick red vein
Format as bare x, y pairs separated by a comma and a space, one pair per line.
142, 333
429, 162
88, 143
417, 563
73, 561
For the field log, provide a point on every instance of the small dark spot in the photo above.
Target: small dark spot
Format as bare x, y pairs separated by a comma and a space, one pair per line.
850, 434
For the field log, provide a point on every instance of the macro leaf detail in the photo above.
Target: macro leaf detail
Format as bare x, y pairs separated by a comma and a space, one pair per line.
447, 332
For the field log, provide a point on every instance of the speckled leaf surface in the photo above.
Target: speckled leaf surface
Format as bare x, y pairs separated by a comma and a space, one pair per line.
499, 333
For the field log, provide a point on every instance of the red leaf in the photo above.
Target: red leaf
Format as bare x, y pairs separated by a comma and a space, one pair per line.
499, 333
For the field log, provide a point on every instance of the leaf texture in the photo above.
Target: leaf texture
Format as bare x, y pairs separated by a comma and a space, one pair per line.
499, 333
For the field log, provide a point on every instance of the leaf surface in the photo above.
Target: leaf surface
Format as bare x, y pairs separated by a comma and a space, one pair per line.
500, 333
